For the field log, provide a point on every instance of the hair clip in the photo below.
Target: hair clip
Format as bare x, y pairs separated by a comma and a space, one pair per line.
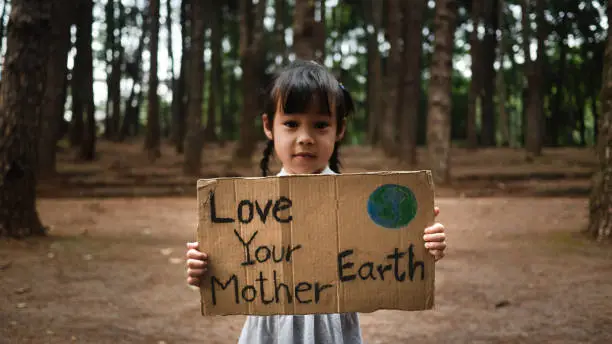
342, 86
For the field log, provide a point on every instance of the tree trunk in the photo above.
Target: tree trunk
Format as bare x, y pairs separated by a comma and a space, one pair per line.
393, 79
320, 32
85, 60
533, 139
132, 105
489, 45
580, 109
373, 16
440, 101
304, 44
114, 91
152, 138
53, 105
600, 202
251, 49
110, 45
215, 85
228, 122
279, 29
76, 91
504, 124
180, 94
475, 92
595, 112
193, 137
413, 13
557, 100
22, 90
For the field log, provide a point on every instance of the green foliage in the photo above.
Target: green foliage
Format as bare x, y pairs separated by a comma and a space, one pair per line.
575, 34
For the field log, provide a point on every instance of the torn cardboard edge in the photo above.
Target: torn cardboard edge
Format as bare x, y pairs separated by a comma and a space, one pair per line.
275, 257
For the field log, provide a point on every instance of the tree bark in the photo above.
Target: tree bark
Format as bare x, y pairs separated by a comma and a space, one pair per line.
413, 13
534, 111
504, 124
109, 10
600, 202
216, 68
180, 94
53, 103
84, 57
393, 79
194, 139
152, 138
373, 16
76, 91
22, 90
304, 40
279, 29
488, 78
114, 91
251, 59
440, 101
552, 136
229, 130
320, 32
475, 91
133, 69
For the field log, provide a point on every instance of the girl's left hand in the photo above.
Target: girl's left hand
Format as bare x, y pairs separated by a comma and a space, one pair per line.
435, 238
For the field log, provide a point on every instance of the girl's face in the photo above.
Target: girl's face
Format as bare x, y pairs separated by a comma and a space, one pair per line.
303, 142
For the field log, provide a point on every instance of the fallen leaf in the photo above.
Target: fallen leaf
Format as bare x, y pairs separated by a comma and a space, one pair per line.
502, 303
87, 256
22, 290
21, 305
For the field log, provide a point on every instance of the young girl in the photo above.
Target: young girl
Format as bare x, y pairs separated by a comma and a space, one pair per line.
305, 120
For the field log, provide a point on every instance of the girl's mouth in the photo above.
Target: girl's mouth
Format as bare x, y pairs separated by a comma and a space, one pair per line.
304, 155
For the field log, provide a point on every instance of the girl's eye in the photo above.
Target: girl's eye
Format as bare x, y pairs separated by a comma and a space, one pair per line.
290, 124
321, 125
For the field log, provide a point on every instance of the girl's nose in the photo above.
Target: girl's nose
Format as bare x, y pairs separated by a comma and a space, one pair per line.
305, 138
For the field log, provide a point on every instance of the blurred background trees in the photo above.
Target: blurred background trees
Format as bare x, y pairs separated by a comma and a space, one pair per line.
447, 73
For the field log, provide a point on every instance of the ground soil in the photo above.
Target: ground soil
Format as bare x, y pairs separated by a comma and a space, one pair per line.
111, 270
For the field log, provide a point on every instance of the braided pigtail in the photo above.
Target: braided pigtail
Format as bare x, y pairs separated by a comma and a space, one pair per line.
334, 160
343, 109
265, 160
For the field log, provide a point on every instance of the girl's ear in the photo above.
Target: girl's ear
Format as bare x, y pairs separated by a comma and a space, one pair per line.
341, 131
267, 126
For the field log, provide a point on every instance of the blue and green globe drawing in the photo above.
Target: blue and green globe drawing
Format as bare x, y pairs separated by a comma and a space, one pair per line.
392, 206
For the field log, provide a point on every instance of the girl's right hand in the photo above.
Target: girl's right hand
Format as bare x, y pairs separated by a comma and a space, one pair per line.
196, 264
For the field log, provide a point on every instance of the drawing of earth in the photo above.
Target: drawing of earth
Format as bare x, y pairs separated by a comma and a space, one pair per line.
392, 206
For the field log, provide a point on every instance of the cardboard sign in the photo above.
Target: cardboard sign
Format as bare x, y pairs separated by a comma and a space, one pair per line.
309, 244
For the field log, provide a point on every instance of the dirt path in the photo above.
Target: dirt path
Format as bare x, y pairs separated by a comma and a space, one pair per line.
113, 272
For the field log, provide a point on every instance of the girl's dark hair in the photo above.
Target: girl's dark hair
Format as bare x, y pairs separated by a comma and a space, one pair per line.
302, 87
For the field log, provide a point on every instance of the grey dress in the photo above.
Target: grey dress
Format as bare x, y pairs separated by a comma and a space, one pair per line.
302, 329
